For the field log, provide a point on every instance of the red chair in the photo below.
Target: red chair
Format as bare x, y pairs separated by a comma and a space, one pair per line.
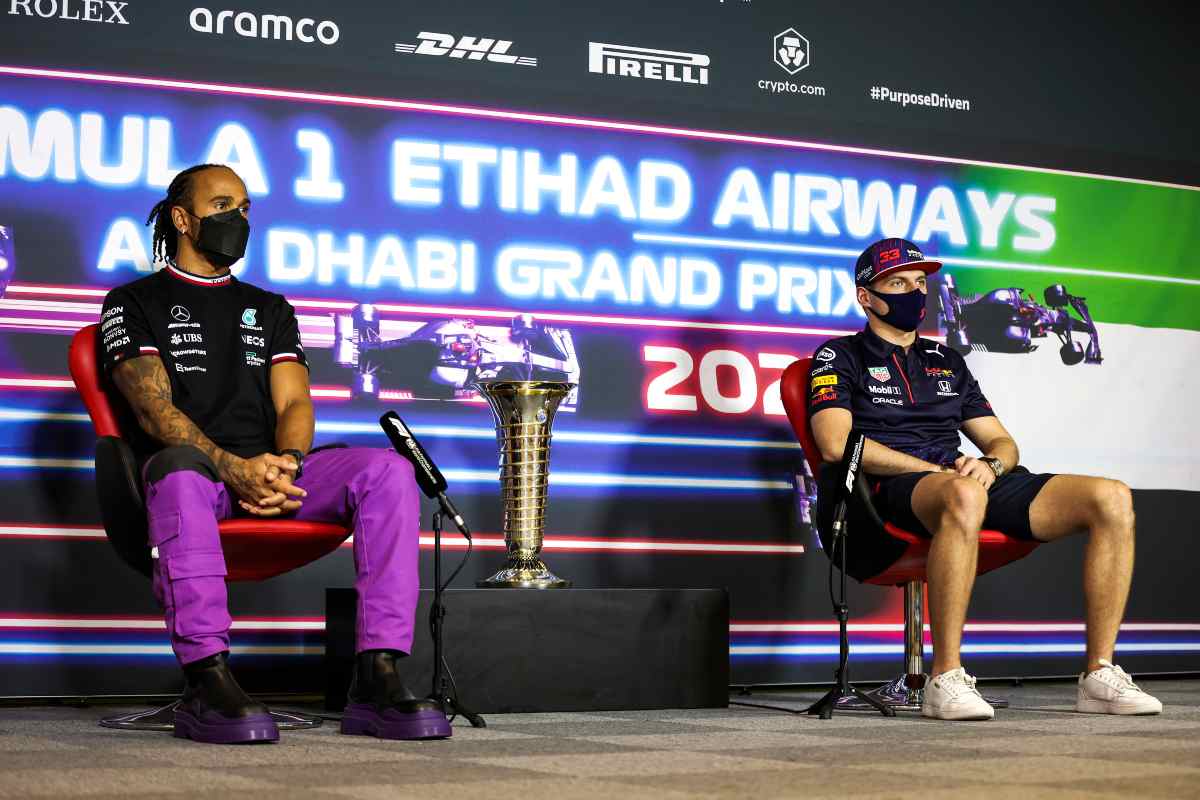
255, 549
995, 550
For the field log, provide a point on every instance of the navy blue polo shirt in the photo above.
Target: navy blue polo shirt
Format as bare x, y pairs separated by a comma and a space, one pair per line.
914, 402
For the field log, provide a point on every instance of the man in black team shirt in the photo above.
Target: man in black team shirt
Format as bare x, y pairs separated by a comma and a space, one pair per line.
215, 373
911, 397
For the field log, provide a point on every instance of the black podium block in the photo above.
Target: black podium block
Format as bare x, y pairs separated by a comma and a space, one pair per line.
514, 650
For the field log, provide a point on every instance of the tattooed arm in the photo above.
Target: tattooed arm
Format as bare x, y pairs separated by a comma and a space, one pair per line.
144, 383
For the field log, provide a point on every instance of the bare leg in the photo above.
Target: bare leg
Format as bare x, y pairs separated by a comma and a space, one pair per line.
952, 508
1070, 504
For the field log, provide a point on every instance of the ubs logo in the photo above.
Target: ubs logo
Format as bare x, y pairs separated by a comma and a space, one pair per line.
180, 314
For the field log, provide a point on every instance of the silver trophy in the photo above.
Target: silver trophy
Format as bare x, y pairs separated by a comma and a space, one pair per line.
524, 412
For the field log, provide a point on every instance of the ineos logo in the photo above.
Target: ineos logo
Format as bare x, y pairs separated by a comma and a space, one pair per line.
268, 26
180, 314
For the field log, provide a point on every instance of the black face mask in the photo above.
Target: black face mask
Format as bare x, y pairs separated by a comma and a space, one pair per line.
905, 311
223, 237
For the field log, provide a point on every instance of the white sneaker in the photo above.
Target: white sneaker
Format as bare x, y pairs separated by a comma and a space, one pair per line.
952, 695
1110, 690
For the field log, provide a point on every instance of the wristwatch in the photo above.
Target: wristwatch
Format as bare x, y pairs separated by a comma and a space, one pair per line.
996, 465
299, 458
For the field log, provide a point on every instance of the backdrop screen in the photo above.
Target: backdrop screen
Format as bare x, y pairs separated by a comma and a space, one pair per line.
672, 274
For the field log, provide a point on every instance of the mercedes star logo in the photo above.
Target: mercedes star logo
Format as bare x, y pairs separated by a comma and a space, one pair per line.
180, 314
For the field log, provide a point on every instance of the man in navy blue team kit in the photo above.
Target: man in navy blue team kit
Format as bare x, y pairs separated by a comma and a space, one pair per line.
912, 397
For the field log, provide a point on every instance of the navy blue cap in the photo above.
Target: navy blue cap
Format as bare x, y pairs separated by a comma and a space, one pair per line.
890, 255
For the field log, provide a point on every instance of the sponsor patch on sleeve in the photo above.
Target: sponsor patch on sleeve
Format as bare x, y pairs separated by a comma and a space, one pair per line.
823, 395
825, 380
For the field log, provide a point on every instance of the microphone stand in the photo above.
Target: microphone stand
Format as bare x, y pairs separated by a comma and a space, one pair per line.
842, 688
851, 480
439, 691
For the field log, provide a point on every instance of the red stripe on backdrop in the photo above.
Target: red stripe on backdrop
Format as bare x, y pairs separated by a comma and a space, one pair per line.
50, 383
130, 622
27, 621
61, 383
49, 290
484, 541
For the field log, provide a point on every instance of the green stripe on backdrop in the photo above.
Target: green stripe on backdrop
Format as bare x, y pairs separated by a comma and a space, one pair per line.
1149, 305
1101, 226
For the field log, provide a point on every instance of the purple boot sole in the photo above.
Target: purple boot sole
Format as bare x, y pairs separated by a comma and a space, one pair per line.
219, 730
362, 719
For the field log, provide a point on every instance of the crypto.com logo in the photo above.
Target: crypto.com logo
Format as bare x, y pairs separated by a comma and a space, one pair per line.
469, 47
792, 51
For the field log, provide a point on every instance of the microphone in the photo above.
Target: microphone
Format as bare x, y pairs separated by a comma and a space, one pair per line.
851, 462
428, 476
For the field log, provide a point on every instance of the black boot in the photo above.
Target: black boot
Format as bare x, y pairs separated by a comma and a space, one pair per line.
379, 704
214, 708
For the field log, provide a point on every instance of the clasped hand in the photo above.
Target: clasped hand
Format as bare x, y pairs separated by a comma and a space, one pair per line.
969, 467
263, 484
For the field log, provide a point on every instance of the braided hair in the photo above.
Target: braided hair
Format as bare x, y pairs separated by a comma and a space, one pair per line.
166, 238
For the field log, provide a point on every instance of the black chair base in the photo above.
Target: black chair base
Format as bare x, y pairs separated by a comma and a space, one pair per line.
897, 695
163, 719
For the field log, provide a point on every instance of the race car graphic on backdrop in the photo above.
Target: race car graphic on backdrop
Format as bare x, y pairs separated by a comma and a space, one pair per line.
1002, 321
441, 359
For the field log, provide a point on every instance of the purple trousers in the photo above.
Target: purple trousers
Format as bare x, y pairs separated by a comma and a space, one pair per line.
369, 490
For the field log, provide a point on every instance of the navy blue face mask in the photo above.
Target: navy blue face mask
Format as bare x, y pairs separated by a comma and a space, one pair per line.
905, 311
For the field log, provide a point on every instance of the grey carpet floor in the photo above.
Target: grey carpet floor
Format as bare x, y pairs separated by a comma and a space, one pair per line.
1038, 748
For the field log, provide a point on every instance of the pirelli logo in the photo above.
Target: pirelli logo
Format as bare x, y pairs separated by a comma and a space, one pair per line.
627, 61
824, 380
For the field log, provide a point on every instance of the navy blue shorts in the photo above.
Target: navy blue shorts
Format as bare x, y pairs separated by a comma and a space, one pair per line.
870, 550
